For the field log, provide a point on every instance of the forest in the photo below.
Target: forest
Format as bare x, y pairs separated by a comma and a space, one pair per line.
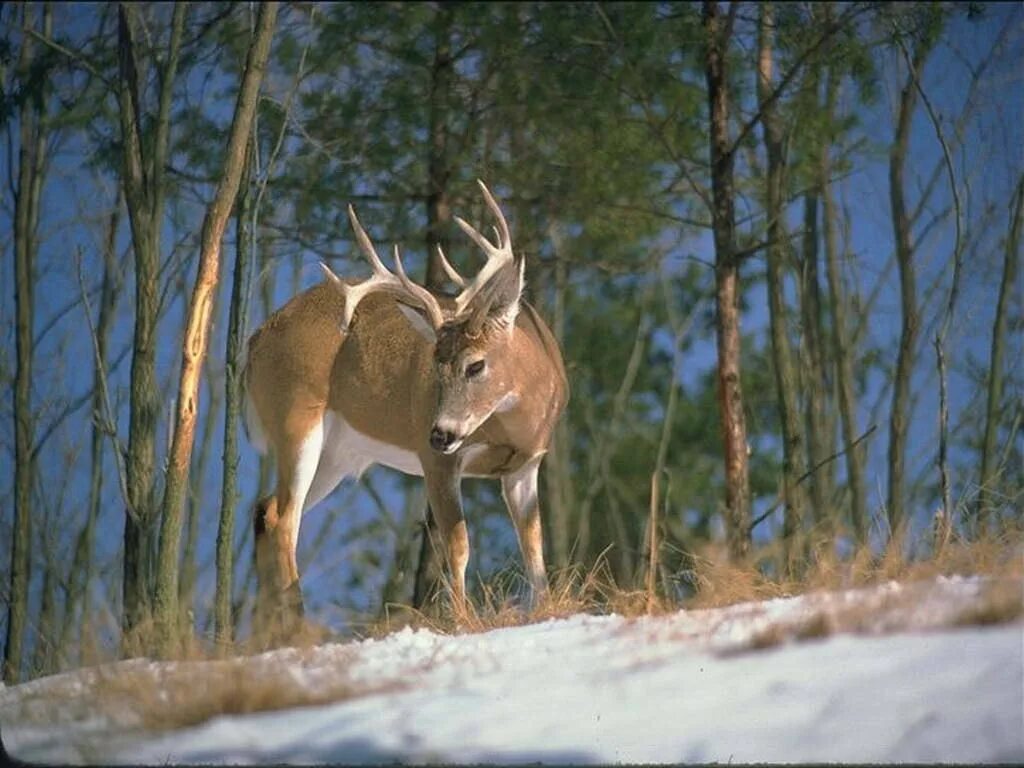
778, 244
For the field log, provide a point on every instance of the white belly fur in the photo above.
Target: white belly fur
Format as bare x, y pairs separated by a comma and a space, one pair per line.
343, 440
347, 452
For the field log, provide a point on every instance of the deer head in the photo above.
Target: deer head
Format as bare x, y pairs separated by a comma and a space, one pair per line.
470, 335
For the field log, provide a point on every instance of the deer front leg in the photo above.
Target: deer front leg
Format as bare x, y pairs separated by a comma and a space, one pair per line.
444, 493
520, 492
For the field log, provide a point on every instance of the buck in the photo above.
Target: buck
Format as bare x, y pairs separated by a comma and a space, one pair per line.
350, 374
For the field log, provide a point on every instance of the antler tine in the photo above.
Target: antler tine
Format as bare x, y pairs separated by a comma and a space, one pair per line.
485, 245
365, 244
506, 236
422, 295
497, 256
329, 274
381, 280
449, 270
354, 294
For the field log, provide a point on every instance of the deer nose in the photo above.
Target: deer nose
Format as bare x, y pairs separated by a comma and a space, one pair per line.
441, 439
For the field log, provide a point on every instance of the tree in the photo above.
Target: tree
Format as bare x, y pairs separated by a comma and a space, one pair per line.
197, 331
840, 336
718, 31
244, 226
32, 131
196, 502
782, 356
910, 316
994, 394
144, 158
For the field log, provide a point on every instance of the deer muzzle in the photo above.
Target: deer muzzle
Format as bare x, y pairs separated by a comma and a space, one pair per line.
443, 440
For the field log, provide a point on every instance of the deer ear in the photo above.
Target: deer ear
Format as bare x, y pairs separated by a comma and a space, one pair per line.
419, 322
505, 306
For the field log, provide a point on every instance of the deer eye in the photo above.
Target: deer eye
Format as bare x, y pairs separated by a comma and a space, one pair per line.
474, 369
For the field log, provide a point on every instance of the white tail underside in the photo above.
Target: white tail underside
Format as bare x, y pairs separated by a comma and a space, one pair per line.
253, 427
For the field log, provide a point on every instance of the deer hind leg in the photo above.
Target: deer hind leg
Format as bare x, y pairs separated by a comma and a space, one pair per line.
520, 492
445, 498
264, 519
276, 529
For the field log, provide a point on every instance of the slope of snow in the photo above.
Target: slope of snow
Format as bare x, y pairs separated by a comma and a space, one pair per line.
686, 687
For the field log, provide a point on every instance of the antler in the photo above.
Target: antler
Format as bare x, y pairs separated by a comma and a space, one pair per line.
479, 290
424, 297
449, 270
498, 256
381, 280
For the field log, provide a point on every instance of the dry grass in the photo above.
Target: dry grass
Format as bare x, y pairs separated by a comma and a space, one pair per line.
1001, 601
573, 590
907, 600
199, 681
815, 626
720, 583
169, 697
884, 612
194, 647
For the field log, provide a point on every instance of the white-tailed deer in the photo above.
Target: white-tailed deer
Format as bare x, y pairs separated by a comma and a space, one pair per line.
346, 375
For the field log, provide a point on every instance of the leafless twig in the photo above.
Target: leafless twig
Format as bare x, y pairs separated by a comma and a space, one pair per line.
106, 423
778, 500
942, 460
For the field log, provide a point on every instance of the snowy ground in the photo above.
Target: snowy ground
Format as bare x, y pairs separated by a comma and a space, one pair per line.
874, 675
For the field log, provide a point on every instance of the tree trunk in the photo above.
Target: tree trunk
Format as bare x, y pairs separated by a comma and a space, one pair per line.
908, 301
428, 571
44, 651
224, 624
558, 467
782, 356
31, 141
197, 332
840, 337
727, 286
188, 573
813, 366
439, 214
989, 465
142, 175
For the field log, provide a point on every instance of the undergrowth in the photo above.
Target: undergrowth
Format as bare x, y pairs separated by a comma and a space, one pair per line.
226, 681
178, 695
713, 581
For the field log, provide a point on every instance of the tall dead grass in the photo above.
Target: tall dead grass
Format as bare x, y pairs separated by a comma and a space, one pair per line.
719, 582
714, 581
169, 697
710, 580
499, 604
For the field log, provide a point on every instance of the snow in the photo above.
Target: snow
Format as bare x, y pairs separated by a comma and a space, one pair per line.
864, 676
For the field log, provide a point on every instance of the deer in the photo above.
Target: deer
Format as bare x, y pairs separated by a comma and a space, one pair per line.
349, 374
